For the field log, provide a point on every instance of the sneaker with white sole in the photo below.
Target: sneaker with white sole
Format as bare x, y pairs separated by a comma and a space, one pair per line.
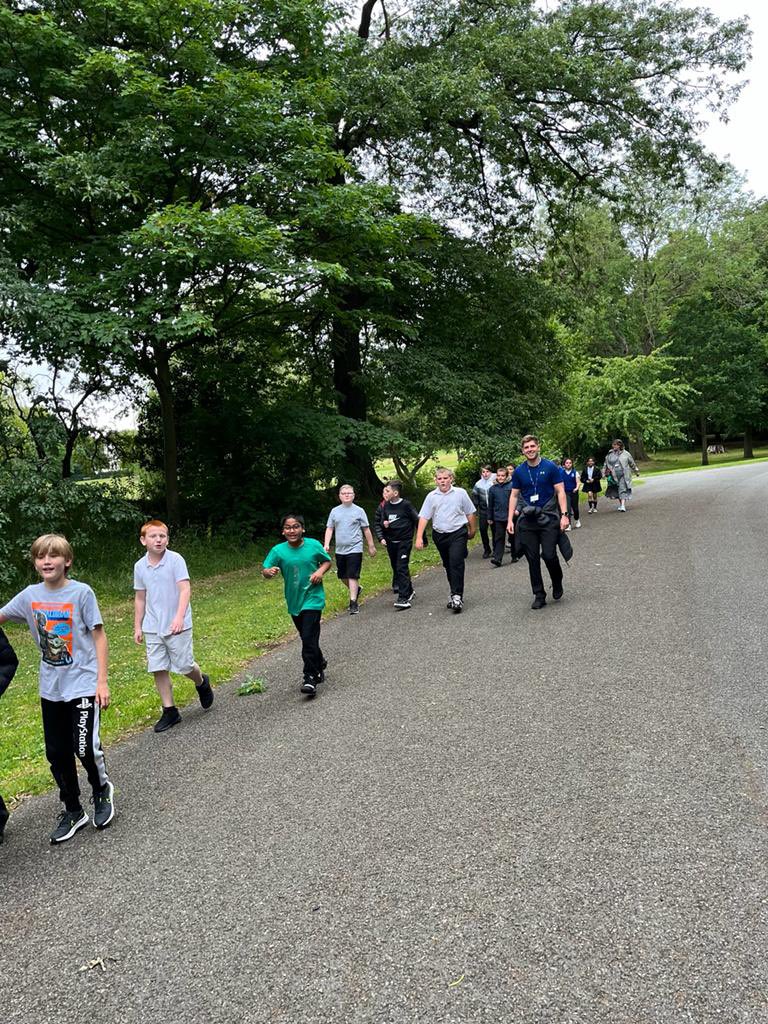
69, 822
577, 524
402, 604
103, 805
457, 604
309, 686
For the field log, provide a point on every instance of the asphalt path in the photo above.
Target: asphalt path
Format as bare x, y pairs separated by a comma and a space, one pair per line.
505, 815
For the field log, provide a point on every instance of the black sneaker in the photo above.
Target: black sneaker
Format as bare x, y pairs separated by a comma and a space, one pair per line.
495, 563
512, 561
354, 608
69, 822
557, 592
205, 692
309, 686
399, 603
539, 601
457, 604
168, 719
486, 554
103, 805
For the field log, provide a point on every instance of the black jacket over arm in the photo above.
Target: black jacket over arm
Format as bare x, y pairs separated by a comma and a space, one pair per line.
8, 663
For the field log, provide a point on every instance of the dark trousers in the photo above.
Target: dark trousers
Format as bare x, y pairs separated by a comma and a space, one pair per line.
71, 729
483, 516
540, 542
3, 816
308, 625
573, 505
453, 551
399, 552
500, 538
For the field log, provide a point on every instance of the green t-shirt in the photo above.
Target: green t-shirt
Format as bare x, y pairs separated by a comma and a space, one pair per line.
297, 565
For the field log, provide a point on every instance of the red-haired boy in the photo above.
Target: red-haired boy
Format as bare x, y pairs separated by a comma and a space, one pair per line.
163, 619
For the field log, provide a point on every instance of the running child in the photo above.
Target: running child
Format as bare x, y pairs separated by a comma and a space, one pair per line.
350, 525
163, 619
395, 529
303, 563
8, 665
64, 620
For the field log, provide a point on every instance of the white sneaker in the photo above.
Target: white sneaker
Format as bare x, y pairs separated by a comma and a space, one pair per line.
568, 528
577, 524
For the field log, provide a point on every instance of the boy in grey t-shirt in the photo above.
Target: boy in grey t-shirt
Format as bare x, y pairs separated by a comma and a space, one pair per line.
65, 621
350, 525
163, 619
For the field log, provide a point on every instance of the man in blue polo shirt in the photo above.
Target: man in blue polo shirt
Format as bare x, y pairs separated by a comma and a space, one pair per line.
541, 484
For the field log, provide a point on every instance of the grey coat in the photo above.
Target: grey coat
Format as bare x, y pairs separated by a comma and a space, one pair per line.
621, 465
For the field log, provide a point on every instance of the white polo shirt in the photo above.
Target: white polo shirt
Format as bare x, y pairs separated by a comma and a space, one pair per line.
448, 511
160, 581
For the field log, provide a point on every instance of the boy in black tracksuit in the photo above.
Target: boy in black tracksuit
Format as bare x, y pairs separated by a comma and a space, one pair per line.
395, 523
8, 664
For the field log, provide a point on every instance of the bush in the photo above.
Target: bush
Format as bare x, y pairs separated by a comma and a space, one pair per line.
35, 500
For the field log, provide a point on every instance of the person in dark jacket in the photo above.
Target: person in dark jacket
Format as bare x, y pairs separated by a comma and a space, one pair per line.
8, 665
591, 476
498, 510
480, 500
395, 527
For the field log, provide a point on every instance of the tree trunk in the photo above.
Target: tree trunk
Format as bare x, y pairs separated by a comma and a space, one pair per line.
704, 454
637, 449
351, 401
168, 419
749, 452
69, 447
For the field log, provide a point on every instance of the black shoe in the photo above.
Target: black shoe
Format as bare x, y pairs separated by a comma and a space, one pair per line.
205, 692
557, 592
457, 604
354, 608
69, 822
513, 560
168, 719
538, 602
103, 805
486, 554
495, 563
399, 603
309, 686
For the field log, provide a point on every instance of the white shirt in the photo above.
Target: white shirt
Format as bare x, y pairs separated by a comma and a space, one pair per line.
448, 511
159, 581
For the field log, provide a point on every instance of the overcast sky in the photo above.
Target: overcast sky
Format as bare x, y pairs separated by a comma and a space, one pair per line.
743, 140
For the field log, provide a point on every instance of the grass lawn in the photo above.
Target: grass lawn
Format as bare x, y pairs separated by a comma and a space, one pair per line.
674, 460
237, 616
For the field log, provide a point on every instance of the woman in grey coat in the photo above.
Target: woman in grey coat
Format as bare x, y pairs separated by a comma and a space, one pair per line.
620, 464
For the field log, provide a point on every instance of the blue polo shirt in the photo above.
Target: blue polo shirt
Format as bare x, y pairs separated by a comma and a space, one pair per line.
537, 483
569, 479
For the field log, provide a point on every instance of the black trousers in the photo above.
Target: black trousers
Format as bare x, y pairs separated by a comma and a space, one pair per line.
573, 505
539, 542
3, 815
71, 730
500, 539
308, 625
484, 523
453, 552
399, 552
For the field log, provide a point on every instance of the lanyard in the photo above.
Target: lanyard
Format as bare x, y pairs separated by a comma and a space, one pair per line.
534, 483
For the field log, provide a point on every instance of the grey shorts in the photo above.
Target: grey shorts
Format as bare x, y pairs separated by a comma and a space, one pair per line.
170, 653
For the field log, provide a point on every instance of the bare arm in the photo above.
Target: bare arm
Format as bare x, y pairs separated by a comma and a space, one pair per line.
185, 590
269, 574
420, 533
320, 571
562, 501
513, 496
472, 526
327, 538
102, 661
139, 607
369, 541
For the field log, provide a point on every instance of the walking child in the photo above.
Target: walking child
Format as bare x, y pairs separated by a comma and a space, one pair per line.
498, 513
303, 563
163, 620
378, 529
8, 665
572, 484
64, 620
395, 529
590, 483
454, 522
349, 523
480, 500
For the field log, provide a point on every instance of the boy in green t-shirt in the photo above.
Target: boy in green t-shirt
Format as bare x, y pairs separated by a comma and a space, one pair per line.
303, 563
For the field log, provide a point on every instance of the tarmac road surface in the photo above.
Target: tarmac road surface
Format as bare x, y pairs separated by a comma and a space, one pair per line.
505, 815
